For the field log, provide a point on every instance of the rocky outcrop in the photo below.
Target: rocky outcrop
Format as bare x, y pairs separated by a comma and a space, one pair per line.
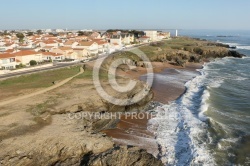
235, 54
124, 156
181, 50
63, 142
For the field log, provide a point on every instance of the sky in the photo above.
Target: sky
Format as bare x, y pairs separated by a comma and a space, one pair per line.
125, 14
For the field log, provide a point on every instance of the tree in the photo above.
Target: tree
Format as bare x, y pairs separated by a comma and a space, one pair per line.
20, 36
39, 32
53, 34
30, 33
33, 63
80, 33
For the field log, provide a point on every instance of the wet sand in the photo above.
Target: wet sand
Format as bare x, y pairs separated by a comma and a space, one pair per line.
133, 131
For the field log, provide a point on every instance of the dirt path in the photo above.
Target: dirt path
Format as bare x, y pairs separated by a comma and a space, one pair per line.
41, 91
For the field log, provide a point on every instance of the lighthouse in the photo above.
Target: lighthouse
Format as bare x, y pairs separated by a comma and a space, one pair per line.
176, 33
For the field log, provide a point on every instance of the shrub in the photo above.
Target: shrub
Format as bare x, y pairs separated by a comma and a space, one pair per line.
198, 50
20, 66
169, 57
33, 63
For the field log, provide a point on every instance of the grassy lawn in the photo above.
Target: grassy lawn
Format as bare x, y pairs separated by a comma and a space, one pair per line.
39, 80
88, 74
15, 86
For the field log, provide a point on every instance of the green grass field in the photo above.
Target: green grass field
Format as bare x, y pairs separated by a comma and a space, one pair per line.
18, 85
39, 80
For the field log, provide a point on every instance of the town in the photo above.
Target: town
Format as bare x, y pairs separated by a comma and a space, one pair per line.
27, 49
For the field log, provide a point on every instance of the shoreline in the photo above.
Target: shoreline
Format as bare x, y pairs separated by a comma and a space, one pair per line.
132, 131
70, 132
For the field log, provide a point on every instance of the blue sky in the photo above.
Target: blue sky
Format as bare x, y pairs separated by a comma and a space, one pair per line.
126, 14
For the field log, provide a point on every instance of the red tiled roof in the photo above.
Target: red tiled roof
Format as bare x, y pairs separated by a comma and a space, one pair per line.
88, 43
25, 53
6, 55
10, 50
65, 48
69, 42
49, 42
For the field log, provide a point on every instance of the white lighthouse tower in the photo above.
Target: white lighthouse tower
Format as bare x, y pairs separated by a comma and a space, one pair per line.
176, 33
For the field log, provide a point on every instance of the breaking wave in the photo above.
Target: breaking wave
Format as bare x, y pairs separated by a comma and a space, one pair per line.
181, 127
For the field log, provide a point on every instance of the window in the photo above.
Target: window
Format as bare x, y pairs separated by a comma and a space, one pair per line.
12, 60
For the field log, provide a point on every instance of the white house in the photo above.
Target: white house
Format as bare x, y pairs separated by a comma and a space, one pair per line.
68, 52
114, 47
25, 56
90, 46
152, 34
7, 61
103, 46
72, 55
116, 39
47, 56
125, 38
82, 53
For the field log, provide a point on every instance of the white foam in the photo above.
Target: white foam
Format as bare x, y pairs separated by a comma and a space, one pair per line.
238, 46
180, 132
246, 57
225, 144
232, 44
243, 47
232, 140
240, 78
216, 83
204, 105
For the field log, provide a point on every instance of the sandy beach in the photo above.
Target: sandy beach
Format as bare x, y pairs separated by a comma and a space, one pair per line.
133, 131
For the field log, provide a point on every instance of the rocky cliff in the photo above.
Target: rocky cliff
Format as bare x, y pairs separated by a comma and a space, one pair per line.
123, 156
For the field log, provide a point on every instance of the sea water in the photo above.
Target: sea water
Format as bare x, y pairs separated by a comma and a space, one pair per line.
210, 123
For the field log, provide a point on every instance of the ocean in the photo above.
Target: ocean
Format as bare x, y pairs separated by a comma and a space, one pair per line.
210, 123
